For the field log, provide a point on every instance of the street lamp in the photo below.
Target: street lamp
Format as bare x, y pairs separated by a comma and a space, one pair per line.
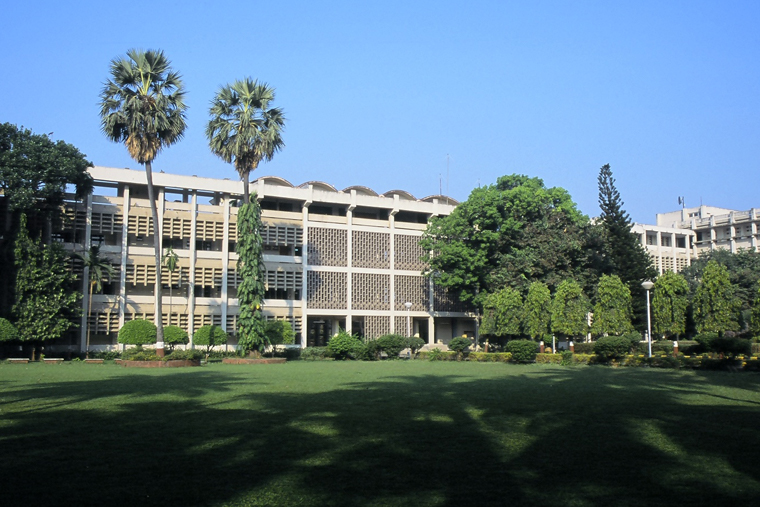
647, 284
408, 321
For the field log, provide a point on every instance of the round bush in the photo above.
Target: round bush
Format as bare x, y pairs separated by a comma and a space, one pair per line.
415, 343
8, 331
368, 351
342, 345
137, 332
174, 335
279, 332
210, 336
392, 344
459, 344
608, 348
523, 351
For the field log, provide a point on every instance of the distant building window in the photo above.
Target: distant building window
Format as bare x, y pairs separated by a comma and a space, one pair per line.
666, 241
680, 242
651, 240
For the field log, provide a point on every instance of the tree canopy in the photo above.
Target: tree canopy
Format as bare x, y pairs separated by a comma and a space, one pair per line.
502, 313
715, 306
670, 304
537, 311
244, 130
612, 311
569, 310
507, 235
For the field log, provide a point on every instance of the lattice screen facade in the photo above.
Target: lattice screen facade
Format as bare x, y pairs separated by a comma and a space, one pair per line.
209, 230
140, 225
414, 289
371, 250
104, 322
326, 290
294, 320
327, 247
206, 319
284, 280
400, 322
74, 219
282, 235
376, 325
407, 253
370, 291
107, 223
177, 226
206, 276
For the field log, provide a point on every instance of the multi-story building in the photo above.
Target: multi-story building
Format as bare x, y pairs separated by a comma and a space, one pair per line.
670, 249
334, 259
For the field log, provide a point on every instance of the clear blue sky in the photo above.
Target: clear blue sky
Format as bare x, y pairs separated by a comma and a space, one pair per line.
378, 93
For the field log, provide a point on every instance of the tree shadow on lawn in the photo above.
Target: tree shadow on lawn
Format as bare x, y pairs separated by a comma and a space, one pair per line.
548, 436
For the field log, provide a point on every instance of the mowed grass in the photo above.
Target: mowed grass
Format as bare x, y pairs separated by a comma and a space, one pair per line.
385, 433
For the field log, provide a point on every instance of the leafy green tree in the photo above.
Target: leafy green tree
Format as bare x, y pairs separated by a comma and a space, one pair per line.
142, 105
502, 313
175, 335
537, 311
459, 345
342, 345
46, 303
612, 311
244, 129
99, 269
250, 267
629, 259
715, 306
569, 310
138, 332
279, 332
210, 337
8, 331
507, 235
756, 313
669, 304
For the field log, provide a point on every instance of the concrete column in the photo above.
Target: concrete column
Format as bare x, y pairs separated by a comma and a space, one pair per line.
349, 264
191, 277
305, 270
659, 251
225, 258
675, 251
124, 255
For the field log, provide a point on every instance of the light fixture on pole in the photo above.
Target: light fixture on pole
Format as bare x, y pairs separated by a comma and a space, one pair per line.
408, 321
647, 284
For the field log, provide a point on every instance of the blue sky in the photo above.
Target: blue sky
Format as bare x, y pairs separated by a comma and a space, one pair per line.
379, 93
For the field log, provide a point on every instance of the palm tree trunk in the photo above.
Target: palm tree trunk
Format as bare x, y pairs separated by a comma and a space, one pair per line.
89, 312
158, 313
246, 192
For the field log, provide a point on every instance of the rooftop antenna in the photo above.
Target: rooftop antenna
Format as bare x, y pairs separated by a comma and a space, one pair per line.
447, 178
440, 184
682, 201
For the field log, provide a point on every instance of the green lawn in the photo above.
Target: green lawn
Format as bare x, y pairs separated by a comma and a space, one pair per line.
385, 433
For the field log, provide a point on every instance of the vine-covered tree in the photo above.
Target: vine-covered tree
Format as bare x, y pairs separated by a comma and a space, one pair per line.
630, 260
502, 313
537, 311
756, 313
507, 235
670, 304
612, 311
250, 268
569, 316
47, 303
142, 105
244, 129
715, 306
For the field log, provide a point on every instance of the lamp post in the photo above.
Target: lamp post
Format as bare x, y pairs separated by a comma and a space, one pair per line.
408, 321
647, 284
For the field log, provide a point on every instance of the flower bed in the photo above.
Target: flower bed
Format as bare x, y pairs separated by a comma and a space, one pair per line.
242, 360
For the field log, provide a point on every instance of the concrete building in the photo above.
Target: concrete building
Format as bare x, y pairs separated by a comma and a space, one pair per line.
716, 227
334, 259
670, 248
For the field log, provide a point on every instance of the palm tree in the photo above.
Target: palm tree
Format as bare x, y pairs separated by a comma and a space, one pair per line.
100, 270
142, 106
243, 129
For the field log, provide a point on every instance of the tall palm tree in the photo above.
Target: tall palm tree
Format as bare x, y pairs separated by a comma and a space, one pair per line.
243, 129
142, 106
100, 270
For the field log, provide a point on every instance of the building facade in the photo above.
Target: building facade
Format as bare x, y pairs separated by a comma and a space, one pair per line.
334, 259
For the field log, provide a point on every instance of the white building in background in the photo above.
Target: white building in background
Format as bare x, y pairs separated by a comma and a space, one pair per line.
334, 259
680, 236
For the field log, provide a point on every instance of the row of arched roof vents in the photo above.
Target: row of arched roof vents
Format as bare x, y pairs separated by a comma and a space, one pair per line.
361, 190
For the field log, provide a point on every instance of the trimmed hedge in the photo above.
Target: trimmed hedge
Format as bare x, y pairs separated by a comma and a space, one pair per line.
343, 345
608, 348
490, 357
523, 351
137, 332
584, 347
315, 354
391, 344
174, 335
459, 345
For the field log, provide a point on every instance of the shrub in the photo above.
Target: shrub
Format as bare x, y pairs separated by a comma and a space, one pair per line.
184, 355
279, 332
209, 337
392, 344
688, 347
705, 340
566, 358
174, 335
634, 338
368, 351
139, 354
608, 348
755, 348
665, 346
459, 345
137, 332
8, 331
584, 348
490, 357
523, 351
414, 344
315, 354
438, 355
107, 355
731, 346
342, 345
